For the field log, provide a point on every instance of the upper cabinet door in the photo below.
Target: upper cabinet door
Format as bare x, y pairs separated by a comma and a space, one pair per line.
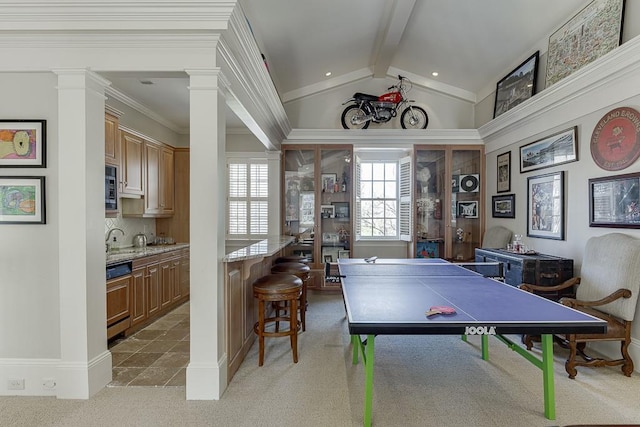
111, 140
132, 164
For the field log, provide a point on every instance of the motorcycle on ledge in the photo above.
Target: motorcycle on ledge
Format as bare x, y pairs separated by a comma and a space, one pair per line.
364, 109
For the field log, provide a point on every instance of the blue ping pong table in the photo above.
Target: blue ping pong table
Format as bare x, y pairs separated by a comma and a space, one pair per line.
392, 296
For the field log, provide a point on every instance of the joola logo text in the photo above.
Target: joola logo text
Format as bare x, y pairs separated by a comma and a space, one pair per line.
480, 330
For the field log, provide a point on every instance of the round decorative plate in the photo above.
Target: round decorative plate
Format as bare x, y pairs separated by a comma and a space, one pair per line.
615, 142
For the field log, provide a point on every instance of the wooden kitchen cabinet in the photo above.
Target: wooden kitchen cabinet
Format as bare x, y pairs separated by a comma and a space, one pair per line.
111, 140
159, 178
118, 305
157, 284
132, 169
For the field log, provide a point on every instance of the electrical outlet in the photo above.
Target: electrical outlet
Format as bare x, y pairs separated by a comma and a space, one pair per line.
15, 384
49, 383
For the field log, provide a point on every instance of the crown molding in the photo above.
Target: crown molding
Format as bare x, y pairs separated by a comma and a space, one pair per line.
384, 136
41, 15
127, 100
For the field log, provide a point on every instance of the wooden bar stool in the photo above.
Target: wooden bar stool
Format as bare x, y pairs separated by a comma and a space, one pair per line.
292, 258
302, 271
278, 288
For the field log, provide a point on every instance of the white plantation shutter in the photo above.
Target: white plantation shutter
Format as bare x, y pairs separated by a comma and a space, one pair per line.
248, 194
405, 216
358, 202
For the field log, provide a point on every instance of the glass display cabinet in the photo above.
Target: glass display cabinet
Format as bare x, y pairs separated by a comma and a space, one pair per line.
317, 205
449, 201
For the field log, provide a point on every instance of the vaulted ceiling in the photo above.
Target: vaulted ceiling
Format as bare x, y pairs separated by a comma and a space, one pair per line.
471, 44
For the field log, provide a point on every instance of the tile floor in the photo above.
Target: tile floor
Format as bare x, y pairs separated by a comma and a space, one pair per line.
156, 356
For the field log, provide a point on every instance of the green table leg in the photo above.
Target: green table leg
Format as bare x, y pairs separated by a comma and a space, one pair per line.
485, 346
547, 377
368, 382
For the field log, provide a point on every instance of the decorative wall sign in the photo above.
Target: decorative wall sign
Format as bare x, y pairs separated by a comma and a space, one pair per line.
23, 143
614, 201
504, 172
557, 149
22, 200
615, 142
591, 33
545, 206
518, 86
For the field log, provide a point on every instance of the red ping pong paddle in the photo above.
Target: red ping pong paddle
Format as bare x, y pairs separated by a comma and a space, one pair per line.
440, 309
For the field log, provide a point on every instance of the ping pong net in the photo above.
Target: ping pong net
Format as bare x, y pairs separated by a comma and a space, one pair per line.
419, 267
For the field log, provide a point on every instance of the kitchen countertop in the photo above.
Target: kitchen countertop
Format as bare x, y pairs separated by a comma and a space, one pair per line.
266, 247
128, 254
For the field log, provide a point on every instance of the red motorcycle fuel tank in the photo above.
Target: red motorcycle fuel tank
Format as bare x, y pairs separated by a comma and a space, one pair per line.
394, 97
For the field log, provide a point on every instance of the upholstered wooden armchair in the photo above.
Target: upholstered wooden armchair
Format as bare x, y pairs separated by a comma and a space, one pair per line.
608, 289
496, 237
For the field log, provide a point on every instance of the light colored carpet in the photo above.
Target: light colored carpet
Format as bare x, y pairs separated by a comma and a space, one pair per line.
419, 381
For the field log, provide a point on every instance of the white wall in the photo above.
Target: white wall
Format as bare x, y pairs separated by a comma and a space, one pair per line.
584, 108
323, 110
29, 253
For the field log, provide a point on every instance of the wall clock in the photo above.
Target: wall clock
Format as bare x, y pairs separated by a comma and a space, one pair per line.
615, 142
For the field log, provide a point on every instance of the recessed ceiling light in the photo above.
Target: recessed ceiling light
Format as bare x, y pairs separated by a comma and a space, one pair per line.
434, 74
146, 82
328, 73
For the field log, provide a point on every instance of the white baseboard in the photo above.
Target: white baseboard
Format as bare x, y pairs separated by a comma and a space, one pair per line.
206, 381
34, 372
51, 377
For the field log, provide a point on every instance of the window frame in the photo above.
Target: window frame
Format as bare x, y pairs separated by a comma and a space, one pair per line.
248, 198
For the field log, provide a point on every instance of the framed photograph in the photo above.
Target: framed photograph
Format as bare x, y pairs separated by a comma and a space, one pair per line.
503, 206
467, 209
591, 33
517, 86
292, 196
327, 211
344, 253
545, 206
504, 172
328, 182
23, 143
22, 200
328, 258
341, 209
614, 201
557, 149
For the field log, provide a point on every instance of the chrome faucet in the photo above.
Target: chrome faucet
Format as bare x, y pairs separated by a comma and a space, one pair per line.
106, 240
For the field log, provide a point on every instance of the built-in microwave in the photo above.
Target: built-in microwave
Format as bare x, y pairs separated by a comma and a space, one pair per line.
110, 188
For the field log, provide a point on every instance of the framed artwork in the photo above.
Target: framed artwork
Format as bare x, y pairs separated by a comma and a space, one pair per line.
341, 209
23, 143
591, 33
426, 178
328, 182
467, 209
292, 196
615, 141
22, 200
327, 211
307, 208
517, 86
504, 172
614, 201
553, 150
503, 206
545, 206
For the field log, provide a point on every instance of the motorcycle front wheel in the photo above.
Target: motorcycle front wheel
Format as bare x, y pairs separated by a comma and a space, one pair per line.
414, 118
353, 117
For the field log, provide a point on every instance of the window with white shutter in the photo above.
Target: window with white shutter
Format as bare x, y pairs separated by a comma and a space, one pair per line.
248, 194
